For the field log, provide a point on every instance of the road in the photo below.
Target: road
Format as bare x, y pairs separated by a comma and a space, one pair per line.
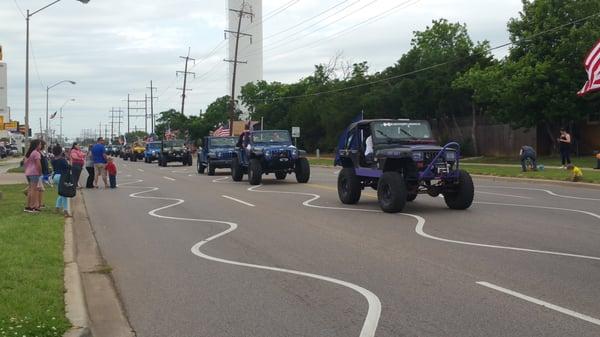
194, 255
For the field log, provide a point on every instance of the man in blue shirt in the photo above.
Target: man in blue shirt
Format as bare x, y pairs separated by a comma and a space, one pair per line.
99, 157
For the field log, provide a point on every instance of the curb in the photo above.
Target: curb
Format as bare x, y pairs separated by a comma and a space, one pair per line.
75, 306
539, 181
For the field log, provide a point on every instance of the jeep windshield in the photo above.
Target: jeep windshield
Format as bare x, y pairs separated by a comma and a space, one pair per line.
153, 146
223, 142
270, 137
391, 132
174, 143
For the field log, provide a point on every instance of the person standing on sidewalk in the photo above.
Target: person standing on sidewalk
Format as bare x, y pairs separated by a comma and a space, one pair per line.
33, 173
61, 166
77, 162
564, 145
89, 167
111, 168
99, 156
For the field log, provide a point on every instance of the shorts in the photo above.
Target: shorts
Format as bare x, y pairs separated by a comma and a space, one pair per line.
33, 179
100, 170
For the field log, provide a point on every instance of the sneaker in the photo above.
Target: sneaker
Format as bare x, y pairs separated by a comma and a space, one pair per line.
30, 210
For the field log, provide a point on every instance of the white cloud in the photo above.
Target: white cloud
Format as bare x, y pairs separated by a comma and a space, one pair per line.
115, 47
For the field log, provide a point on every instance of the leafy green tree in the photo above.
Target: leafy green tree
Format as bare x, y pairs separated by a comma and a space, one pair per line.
135, 136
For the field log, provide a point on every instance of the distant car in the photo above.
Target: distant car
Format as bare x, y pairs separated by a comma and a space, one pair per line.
3, 152
174, 150
405, 162
126, 152
137, 152
152, 152
269, 152
13, 150
217, 152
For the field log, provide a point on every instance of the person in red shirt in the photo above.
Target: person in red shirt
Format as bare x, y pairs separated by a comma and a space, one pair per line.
111, 168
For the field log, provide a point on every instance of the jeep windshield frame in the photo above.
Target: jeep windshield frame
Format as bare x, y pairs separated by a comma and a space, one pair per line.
278, 137
174, 143
153, 145
391, 132
222, 142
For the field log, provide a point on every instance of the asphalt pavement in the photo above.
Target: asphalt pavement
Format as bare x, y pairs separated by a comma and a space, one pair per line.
194, 255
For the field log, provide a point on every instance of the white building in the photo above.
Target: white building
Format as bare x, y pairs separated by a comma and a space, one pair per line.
250, 49
3, 89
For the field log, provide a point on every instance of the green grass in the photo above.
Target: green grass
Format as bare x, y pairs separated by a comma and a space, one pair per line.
515, 172
502, 171
583, 162
31, 261
16, 170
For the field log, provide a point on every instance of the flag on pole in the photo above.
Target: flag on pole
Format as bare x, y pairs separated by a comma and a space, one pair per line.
221, 131
53, 115
592, 67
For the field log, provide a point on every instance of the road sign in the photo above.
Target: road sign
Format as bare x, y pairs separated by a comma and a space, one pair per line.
295, 132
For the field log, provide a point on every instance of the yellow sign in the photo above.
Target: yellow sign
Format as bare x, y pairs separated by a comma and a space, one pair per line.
12, 126
1, 120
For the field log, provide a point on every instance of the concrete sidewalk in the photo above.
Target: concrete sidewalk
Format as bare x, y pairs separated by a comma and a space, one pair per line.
12, 178
466, 162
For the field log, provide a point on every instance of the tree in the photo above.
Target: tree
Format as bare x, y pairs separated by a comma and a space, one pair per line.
536, 84
135, 136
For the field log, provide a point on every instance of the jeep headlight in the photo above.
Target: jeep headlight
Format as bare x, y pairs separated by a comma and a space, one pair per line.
450, 156
417, 156
268, 153
294, 153
219, 155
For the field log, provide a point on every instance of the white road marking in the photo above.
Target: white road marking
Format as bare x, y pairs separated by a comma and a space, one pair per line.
169, 178
374, 304
140, 170
542, 303
540, 190
504, 195
420, 231
238, 200
421, 224
220, 179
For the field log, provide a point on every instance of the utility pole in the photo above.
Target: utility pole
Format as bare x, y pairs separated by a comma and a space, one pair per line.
146, 113
128, 116
185, 73
115, 114
152, 88
241, 14
135, 105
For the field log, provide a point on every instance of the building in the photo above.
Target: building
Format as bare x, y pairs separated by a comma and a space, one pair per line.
250, 50
4, 113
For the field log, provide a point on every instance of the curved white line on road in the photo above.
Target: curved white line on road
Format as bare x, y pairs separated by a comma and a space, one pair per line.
419, 228
503, 195
540, 190
374, 304
219, 180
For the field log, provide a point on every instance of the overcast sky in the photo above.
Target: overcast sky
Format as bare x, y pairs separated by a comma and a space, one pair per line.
112, 48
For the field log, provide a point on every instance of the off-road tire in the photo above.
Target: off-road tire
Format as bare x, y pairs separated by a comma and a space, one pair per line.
411, 196
348, 186
134, 158
391, 192
280, 175
255, 172
200, 167
302, 171
236, 170
210, 168
461, 197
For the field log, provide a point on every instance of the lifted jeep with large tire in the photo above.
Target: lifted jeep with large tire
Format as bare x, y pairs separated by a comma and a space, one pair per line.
265, 152
400, 160
174, 150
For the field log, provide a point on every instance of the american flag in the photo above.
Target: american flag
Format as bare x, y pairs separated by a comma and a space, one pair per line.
221, 131
592, 67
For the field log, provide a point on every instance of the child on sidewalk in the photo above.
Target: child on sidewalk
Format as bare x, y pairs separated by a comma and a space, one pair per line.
111, 168
576, 173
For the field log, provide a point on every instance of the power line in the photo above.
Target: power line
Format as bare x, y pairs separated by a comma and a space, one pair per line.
352, 28
438, 65
19, 8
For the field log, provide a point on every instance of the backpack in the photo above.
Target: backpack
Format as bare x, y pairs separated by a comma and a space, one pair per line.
66, 188
45, 166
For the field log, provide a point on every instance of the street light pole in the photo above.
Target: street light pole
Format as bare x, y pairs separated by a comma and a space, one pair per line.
27, 19
47, 99
61, 119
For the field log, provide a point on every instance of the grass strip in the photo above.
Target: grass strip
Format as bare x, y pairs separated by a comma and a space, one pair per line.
31, 260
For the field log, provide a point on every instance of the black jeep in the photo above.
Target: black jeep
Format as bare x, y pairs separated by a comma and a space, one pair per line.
174, 150
217, 152
265, 152
400, 160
